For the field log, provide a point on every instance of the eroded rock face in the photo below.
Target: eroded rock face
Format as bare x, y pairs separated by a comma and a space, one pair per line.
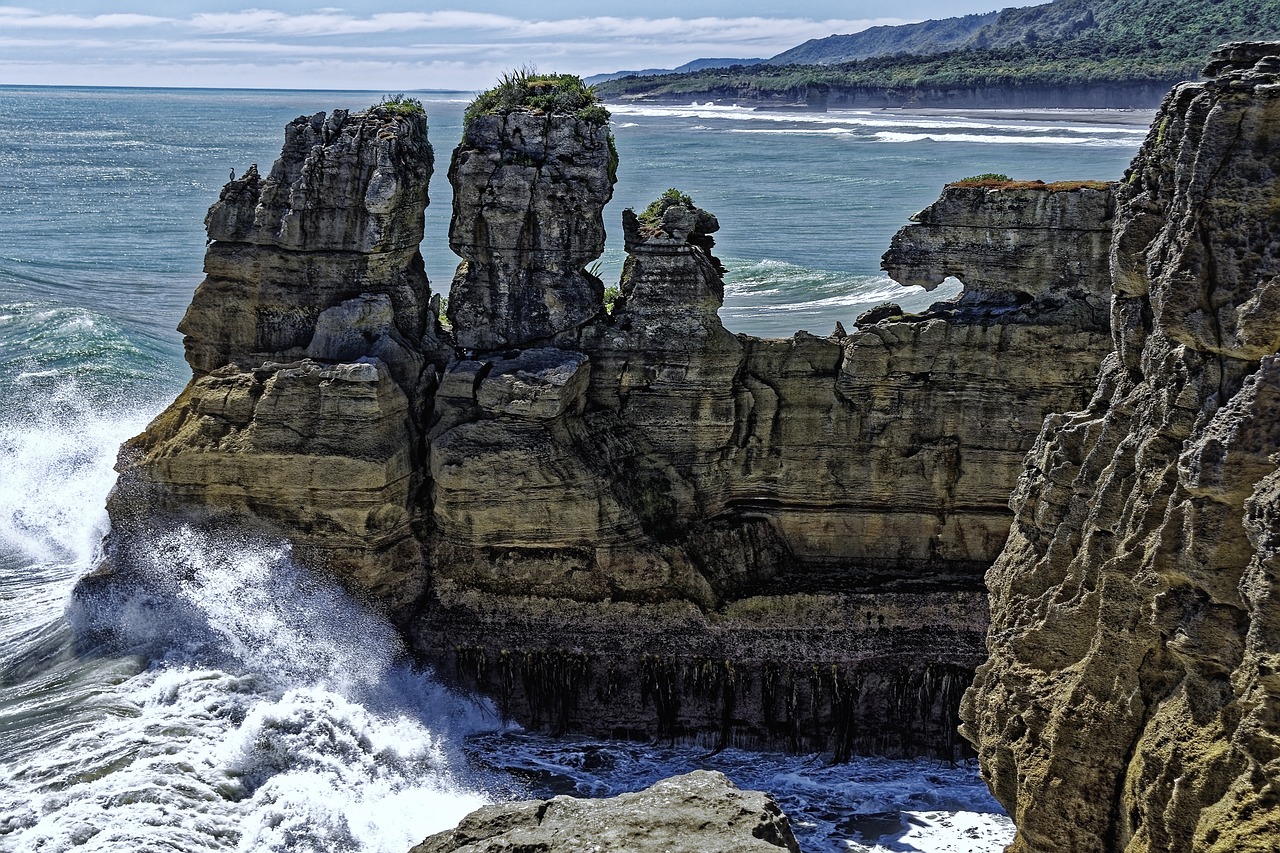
1130, 701
528, 194
1017, 244
699, 812
308, 340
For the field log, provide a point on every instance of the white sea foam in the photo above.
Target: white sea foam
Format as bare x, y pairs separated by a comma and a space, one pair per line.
1132, 134
57, 454
271, 711
1003, 139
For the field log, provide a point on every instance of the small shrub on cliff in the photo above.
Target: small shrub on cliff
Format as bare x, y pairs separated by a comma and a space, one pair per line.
401, 106
652, 215
551, 94
984, 178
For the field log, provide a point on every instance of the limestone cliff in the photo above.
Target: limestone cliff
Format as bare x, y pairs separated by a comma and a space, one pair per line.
308, 340
631, 523
1131, 700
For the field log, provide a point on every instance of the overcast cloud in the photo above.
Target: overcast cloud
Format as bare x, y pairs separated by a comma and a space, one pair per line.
381, 46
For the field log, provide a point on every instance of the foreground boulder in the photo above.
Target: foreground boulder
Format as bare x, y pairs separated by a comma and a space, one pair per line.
699, 812
1131, 699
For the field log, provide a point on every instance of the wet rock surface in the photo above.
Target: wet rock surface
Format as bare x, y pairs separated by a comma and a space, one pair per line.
1130, 699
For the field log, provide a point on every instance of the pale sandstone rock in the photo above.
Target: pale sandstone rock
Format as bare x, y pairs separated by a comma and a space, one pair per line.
699, 812
1129, 702
308, 339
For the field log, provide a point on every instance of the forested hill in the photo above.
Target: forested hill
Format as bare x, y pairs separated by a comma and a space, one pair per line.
1067, 53
922, 38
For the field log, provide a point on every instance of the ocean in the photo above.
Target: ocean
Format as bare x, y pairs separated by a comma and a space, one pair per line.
260, 708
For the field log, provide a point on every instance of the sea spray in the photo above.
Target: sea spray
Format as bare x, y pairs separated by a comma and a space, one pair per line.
243, 705
267, 711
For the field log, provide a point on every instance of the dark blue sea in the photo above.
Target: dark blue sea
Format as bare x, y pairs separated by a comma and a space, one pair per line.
285, 719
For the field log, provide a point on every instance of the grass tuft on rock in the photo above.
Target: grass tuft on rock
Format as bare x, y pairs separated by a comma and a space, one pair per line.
652, 215
992, 181
399, 105
525, 90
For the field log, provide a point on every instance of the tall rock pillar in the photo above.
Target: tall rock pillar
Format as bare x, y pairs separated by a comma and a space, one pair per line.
307, 340
529, 191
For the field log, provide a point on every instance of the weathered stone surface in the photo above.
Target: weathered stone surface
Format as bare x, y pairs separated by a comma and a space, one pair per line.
699, 812
339, 218
345, 183
1016, 244
1130, 700
528, 194
308, 339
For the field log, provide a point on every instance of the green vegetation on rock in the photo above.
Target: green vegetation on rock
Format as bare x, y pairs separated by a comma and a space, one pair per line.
400, 105
524, 89
652, 215
983, 178
1003, 182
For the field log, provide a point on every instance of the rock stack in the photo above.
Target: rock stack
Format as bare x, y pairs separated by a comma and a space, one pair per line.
529, 191
308, 342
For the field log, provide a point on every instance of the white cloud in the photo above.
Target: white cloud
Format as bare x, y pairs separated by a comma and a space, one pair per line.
347, 49
21, 17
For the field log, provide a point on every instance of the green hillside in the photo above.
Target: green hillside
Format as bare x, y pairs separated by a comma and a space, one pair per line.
922, 38
1144, 45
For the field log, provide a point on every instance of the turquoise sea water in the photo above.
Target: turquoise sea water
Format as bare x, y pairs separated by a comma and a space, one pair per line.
262, 710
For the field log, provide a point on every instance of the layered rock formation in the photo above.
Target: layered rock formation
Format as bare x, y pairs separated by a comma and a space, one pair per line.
1131, 700
308, 341
634, 523
699, 812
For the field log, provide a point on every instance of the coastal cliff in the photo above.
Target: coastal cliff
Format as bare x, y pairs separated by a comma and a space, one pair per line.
1131, 700
629, 522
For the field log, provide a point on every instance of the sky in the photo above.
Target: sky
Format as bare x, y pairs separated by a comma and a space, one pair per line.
402, 45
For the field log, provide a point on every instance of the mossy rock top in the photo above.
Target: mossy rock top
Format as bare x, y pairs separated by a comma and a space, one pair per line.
1002, 182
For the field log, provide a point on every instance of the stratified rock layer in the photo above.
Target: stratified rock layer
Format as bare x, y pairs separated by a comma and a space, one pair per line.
699, 812
634, 523
307, 340
1131, 700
